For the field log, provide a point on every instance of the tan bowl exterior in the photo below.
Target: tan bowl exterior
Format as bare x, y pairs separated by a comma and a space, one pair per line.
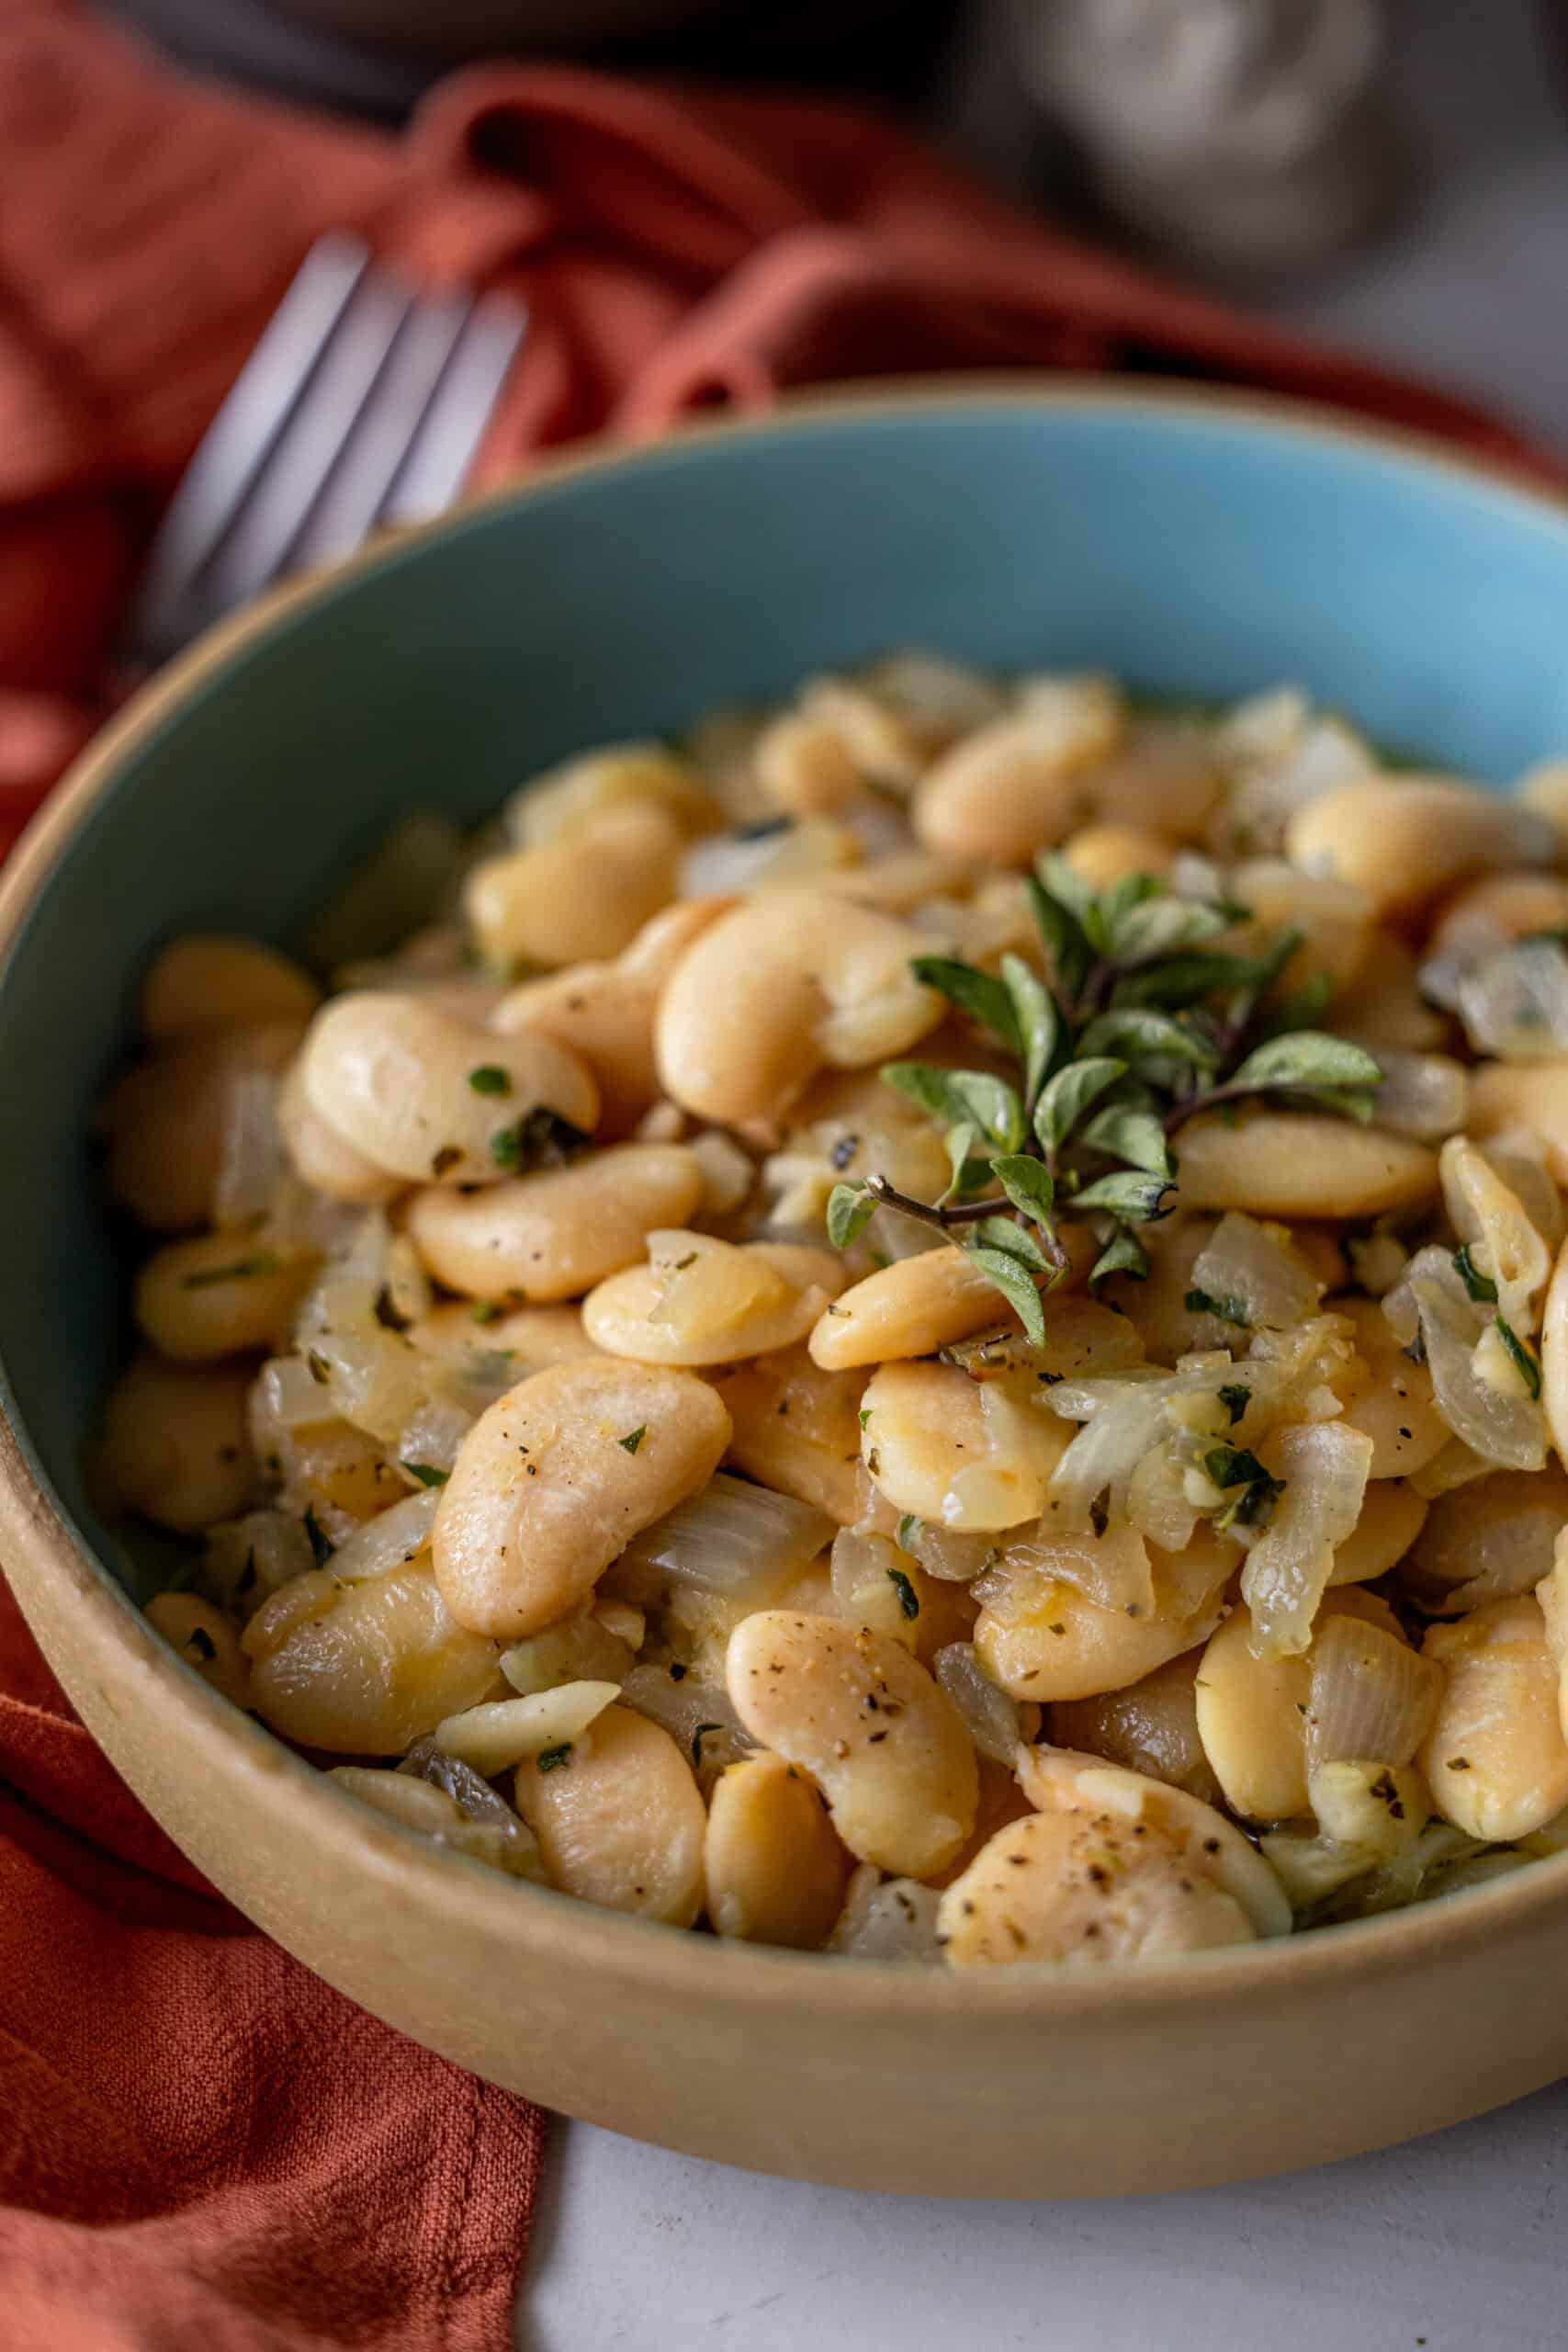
999, 2083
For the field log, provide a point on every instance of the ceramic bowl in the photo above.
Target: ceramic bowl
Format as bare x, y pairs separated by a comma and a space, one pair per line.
1194, 545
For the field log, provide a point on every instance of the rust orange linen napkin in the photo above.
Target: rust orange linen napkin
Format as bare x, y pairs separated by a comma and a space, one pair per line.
201, 2145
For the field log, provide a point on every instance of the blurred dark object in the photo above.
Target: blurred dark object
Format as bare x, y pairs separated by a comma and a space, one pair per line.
379, 56
1243, 138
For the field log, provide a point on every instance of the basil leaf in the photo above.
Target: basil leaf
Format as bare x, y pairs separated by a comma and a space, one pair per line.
1068, 1095
1027, 1185
1139, 1035
1477, 1284
1135, 1136
974, 992
1308, 1057
1006, 1274
1123, 1254
1524, 1360
1163, 926
1129, 1195
1039, 1024
1014, 1241
850, 1210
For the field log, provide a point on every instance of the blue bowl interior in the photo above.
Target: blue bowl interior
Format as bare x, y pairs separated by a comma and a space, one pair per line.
1194, 553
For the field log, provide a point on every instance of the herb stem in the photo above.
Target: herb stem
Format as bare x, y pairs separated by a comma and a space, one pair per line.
962, 1213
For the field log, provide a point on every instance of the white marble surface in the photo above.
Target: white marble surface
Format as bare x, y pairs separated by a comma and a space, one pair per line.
1456, 2243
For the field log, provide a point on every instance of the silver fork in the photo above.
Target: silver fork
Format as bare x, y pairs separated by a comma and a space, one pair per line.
362, 407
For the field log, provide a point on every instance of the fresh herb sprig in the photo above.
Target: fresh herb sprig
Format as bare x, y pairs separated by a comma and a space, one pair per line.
1139, 1024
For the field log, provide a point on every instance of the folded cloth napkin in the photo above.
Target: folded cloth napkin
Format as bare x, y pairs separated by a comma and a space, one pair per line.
202, 2144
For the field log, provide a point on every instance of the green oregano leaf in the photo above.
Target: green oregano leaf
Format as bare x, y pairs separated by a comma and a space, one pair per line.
1129, 1193
1068, 1095
988, 1000
1005, 1272
1038, 1022
1136, 1136
850, 1210
1307, 1057
1123, 1254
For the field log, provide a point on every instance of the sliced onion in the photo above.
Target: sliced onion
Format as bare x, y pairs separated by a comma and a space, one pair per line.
730, 865
455, 1816
1518, 1155
387, 1541
1325, 1468
579, 1649
950, 1558
286, 1396
734, 1540
1423, 1095
891, 1919
1507, 1429
252, 1163
868, 1580
247, 1560
990, 1716
375, 1377
698, 1715
1453, 1465
1257, 1266
429, 1441
1372, 1699
1112, 1570
1488, 1215
1552, 1594
1159, 1500
1515, 1003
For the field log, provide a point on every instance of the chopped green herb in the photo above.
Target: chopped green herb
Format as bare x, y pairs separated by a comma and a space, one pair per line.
1525, 1362
1478, 1285
1226, 1308
264, 1261
909, 1530
1235, 1400
490, 1078
426, 1473
320, 1370
320, 1546
908, 1598
1099, 1512
863, 1417
1233, 1465
633, 1439
550, 1759
485, 1310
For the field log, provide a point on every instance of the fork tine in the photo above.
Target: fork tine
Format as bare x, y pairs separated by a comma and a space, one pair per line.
385, 430
240, 439
306, 453
454, 426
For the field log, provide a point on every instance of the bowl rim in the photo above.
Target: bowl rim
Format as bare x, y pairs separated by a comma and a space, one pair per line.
607, 1945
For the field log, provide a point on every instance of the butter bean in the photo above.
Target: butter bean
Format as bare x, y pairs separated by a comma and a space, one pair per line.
555, 1233
546, 1491
851, 1708
619, 1819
